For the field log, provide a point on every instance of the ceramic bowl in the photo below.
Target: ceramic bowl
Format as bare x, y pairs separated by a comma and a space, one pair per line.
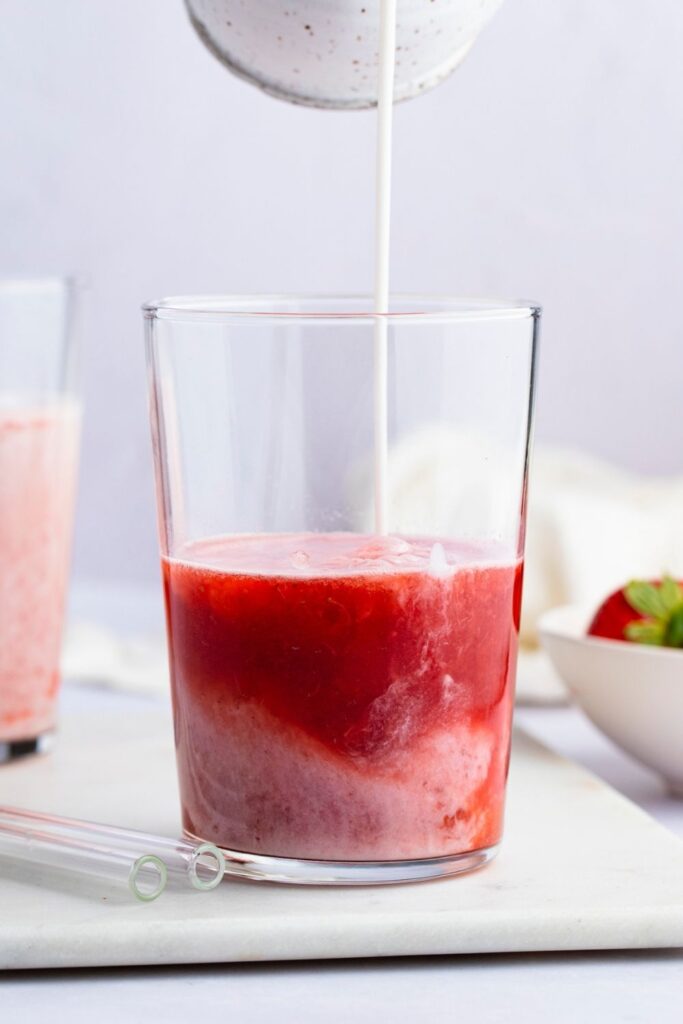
633, 693
323, 53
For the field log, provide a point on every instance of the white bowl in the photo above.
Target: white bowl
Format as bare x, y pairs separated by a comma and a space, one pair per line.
632, 692
324, 52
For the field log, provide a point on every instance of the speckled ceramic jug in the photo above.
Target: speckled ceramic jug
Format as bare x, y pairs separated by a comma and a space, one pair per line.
324, 52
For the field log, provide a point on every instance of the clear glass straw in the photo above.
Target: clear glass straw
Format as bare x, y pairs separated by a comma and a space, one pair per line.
202, 864
144, 875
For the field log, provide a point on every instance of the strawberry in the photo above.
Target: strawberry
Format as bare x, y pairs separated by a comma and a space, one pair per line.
644, 613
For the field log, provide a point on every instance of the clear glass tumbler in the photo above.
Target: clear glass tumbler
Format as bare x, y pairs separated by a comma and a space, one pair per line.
39, 440
342, 698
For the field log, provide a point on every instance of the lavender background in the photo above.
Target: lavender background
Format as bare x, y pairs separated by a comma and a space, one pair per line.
549, 166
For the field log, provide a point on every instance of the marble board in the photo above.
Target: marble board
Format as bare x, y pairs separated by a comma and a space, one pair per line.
580, 868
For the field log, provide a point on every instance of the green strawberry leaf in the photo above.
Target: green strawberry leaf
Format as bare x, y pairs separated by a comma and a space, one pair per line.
671, 594
650, 632
646, 599
674, 630
661, 608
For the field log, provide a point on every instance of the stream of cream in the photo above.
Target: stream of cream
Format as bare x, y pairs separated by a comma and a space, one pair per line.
385, 97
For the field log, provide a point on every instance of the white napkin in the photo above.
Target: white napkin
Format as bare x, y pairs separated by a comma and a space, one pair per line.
96, 655
592, 527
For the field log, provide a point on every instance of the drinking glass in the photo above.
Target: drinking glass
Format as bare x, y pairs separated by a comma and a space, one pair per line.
342, 696
39, 438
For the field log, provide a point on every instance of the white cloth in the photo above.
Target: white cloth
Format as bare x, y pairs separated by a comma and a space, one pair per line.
591, 528
95, 654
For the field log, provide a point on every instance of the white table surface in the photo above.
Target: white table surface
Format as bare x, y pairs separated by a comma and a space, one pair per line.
575, 988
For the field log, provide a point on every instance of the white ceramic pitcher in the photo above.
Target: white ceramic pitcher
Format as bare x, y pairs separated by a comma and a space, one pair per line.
324, 52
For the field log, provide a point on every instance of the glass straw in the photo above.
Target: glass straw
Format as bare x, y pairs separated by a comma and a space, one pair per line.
203, 864
144, 875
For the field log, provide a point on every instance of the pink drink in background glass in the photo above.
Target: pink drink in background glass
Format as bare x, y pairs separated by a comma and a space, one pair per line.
38, 463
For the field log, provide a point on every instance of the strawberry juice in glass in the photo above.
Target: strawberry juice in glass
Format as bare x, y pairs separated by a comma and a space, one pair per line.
342, 697
39, 436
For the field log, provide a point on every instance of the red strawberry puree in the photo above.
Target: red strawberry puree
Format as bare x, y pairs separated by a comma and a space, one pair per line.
342, 697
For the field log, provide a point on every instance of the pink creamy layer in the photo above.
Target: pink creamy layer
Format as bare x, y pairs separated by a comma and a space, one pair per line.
38, 458
275, 791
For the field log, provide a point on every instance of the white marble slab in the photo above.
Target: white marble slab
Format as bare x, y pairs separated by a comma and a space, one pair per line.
580, 868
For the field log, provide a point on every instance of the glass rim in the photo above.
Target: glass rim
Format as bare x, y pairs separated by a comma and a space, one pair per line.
27, 285
269, 307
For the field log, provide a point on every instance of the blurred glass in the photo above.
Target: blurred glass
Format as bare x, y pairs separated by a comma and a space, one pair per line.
39, 441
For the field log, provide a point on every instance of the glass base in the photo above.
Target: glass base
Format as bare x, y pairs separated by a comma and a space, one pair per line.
292, 871
12, 750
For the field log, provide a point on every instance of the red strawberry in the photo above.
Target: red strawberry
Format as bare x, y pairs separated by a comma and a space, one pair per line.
644, 613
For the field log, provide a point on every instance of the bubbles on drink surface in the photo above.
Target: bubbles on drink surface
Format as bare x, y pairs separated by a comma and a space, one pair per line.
300, 560
331, 554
